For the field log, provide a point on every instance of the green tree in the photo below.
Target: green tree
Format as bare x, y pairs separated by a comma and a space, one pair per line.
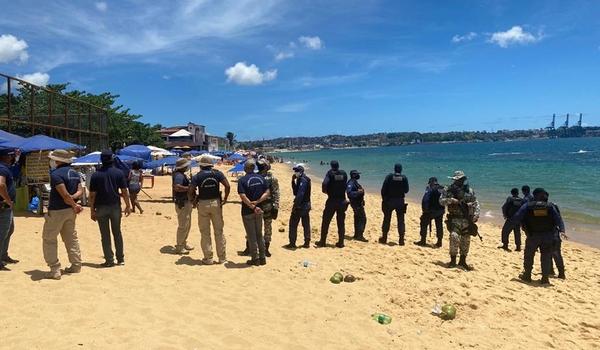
230, 137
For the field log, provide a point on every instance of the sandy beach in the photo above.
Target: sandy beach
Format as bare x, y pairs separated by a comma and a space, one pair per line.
163, 301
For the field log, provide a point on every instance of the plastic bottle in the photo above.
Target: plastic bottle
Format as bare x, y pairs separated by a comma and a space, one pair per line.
382, 318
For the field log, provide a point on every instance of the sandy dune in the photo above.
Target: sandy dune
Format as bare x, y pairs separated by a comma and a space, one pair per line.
164, 301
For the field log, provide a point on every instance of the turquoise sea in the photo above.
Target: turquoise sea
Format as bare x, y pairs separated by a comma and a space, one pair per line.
569, 169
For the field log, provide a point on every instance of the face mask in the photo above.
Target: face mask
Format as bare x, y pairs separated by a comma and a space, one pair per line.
52, 164
297, 173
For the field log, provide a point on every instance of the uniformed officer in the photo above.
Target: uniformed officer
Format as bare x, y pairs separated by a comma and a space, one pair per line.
556, 249
210, 208
463, 213
183, 205
432, 210
510, 208
270, 207
8, 195
334, 185
65, 190
356, 195
527, 196
301, 188
540, 220
395, 187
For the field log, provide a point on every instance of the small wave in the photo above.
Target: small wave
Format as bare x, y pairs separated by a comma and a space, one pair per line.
488, 214
581, 151
505, 154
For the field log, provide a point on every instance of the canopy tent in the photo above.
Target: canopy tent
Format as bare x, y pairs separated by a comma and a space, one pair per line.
236, 156
168, 161
8, 137
157, 151
239, 168
214, 159
94, 159
138, 151
40, 143
181, 133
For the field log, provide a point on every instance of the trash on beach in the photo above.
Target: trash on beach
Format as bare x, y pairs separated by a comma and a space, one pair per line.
382, 318
448, 312
349, 278
437, 310
307, 263
337, 278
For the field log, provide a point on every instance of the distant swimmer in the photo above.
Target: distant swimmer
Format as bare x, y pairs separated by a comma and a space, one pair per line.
301, 188
432, 210
463, 213
393, 190
541, 220
509, 209
356, 195
334, 185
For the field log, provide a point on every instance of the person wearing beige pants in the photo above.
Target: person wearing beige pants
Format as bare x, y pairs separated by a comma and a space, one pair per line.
210, 210
65, 189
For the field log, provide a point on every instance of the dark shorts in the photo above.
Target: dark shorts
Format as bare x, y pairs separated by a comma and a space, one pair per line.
134, 188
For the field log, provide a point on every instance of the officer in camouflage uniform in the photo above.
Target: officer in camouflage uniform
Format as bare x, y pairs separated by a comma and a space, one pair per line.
463, 213
271, 206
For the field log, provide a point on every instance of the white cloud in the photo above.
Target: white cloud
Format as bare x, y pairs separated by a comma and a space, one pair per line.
311, 42
101, 6
282, 55
12, 49
292, 108
244, 74
513, 36
467, 37
37, 78
166, 77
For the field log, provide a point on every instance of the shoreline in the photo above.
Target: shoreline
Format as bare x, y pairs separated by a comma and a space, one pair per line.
577, 232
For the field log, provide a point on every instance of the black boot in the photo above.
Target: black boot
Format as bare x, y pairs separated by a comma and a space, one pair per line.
525, 276
383, 239
267, 252
360, 238
320, 244
463, 263
340, 244
518, 249
504, 247
438, 244
245, 252
561, 275
253, 262
262, 261
422, 242
545, 281
452, 262
401, 240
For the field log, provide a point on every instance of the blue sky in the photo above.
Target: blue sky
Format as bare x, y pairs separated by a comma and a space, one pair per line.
269, 68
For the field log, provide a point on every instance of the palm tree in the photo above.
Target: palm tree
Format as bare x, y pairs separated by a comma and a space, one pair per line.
231, 137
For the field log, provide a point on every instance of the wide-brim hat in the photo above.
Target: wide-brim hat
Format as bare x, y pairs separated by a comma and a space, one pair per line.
61, 155
182, 163
205, 161
459, 174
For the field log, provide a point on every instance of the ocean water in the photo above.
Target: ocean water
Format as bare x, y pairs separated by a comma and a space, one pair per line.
569, 169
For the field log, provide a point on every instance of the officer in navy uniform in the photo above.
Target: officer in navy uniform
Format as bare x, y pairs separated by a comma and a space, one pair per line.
432, 210
510, 208
395, 187
356, 195
540, 220
527, 196
334, 185
301, 188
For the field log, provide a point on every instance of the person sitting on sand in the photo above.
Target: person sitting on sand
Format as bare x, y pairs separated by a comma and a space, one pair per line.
65, 190
105, 206
253, 190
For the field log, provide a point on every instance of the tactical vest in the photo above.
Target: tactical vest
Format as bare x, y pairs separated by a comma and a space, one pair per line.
538, 219
397, 186
337, 184
306, 198
208, 185
514, 206
460, 209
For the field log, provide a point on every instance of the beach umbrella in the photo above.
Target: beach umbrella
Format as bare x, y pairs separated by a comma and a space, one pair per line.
155, 151
167, 161
6, 137
138, 151
94, 159
40, 143
236, 157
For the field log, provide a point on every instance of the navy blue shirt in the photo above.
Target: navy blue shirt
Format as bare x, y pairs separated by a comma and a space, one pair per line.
356, 197
208, 183
62, 175
106, 183
253, 186
301, 189
180, 178
10, 183
554, 214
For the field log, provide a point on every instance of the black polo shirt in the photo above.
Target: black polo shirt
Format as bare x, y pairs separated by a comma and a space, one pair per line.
106, 182
64, 174
253, 186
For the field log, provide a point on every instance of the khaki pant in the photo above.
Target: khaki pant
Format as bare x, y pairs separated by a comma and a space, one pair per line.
211, 211
184, 224
63, 222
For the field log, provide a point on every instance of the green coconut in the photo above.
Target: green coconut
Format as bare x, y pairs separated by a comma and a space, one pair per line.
448, 312
337, 278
